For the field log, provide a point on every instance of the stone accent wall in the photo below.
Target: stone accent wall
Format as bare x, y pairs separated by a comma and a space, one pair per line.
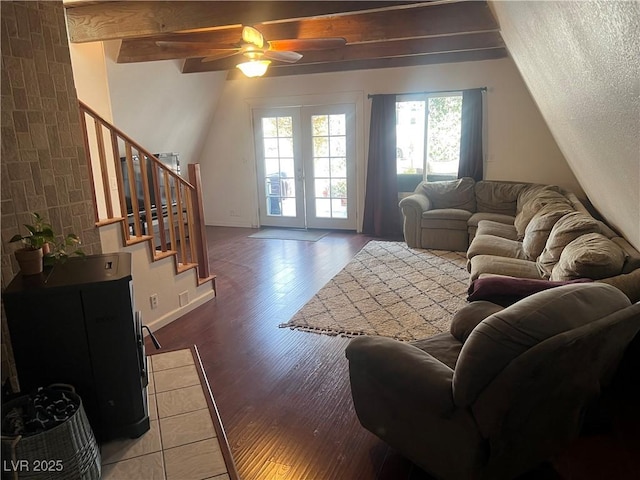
42, 161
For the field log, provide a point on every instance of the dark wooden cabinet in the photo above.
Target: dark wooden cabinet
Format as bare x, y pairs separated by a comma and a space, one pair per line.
76, 324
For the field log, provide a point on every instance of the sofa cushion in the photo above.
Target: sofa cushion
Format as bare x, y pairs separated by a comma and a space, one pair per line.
536, 200
442, 346
589, 256
566, 229
632, 261
469, 316
489, 227
447, 218
457, 194
498, 197
505, 335
531, 191
478, 217
512, 267
493, 245
539, 227
627, 283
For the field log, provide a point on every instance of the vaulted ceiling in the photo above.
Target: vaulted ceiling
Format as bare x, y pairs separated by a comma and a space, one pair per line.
377, 34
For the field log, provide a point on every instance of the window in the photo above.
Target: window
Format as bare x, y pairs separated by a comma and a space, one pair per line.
428, 136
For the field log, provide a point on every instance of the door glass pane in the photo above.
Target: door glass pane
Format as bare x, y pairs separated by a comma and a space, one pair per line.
322, 167
285, 146
285, 127
330, 174
286, 168
323, 208
271, 166
279, 166
269, 127
322, 188
339, 167
320, 125
339, 208
339, 188
270, 147
320, 146
337, 124
338, 146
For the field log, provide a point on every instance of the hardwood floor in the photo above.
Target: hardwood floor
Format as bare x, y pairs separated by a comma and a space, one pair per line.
283, 395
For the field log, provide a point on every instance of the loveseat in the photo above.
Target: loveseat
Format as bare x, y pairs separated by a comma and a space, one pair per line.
520, 230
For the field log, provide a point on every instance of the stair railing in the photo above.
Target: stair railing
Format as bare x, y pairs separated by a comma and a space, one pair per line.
153, 202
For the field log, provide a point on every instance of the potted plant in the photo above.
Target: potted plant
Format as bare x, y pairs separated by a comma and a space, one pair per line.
41, 246
31, 254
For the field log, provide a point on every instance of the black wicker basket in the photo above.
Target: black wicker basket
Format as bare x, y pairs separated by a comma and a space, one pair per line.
68, 451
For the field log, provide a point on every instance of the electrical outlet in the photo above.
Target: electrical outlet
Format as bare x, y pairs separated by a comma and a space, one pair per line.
183, 298
153, 299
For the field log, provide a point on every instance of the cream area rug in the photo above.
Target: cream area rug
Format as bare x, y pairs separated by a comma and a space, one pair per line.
390, 290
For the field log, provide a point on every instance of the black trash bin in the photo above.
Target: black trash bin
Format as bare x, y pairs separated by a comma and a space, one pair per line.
274, 194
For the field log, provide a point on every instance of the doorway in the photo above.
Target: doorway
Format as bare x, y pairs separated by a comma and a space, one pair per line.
306, 166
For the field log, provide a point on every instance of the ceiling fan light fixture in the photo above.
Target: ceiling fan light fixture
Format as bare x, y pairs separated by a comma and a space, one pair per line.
254, 68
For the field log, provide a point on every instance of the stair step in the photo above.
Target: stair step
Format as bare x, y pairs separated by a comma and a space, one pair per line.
159, 255
210, 278
183, 267
135, 240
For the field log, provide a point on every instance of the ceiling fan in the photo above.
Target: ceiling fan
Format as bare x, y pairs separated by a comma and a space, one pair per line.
257, 51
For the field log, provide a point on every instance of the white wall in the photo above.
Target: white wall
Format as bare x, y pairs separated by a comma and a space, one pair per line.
519, 144
90, 76
581, 63
159, 107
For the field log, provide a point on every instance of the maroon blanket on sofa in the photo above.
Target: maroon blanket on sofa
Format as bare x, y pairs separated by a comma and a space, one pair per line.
508, 290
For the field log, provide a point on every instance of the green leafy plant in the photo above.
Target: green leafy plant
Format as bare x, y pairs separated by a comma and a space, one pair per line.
60, 251
40, 233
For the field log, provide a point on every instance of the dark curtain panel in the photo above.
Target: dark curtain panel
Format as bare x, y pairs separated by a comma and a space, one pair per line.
381, 211
471, 135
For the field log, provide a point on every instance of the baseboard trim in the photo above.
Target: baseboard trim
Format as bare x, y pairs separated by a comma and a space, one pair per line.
173, 315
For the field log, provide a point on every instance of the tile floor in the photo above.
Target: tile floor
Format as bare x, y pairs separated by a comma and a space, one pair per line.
181, 443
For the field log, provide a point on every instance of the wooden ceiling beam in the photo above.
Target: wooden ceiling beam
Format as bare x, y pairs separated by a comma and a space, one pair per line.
368, 51
410, 61
420, 21
109, 20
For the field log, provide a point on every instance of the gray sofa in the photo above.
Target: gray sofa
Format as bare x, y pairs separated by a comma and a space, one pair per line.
505, 390
519, 230
445, 215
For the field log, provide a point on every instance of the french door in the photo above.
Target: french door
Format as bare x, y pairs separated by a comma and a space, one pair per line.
306, 166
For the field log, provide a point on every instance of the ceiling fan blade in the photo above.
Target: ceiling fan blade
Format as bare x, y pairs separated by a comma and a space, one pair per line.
252, 36
307, 44
196, 49
218, 56
183, 44
287, 57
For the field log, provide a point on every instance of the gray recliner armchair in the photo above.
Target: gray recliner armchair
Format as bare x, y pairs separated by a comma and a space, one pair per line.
506, 390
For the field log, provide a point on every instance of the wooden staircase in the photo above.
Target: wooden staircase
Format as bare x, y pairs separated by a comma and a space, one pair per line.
150, 201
